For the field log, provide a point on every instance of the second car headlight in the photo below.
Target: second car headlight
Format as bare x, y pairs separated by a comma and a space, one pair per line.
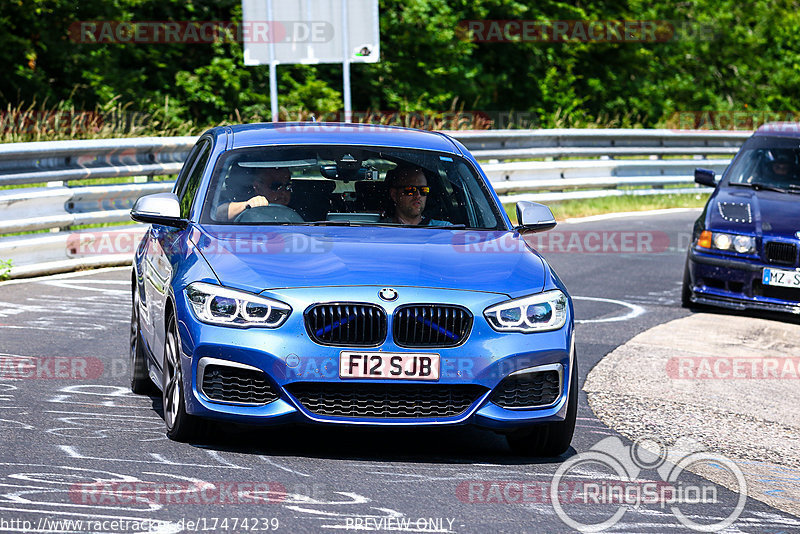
229, 307
743, 244
535, 313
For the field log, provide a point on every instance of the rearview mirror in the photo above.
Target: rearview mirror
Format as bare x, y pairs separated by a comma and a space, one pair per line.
534, 217
161, 208
705, 177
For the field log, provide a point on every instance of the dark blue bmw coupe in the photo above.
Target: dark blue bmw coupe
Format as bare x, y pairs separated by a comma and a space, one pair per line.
349, 275
744, 251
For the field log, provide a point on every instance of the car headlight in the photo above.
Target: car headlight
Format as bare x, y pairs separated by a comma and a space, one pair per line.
535, 313
229, 307
743, 244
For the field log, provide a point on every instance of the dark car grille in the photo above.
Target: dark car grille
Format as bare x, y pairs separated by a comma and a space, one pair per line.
781, 253
527, 389
386, 401
431, 325
346, 324
231, 384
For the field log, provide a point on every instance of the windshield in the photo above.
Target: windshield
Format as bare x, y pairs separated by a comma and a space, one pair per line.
772, 162
347, 185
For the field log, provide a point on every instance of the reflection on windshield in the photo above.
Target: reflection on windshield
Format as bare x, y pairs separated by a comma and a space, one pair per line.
348, 186
775, 169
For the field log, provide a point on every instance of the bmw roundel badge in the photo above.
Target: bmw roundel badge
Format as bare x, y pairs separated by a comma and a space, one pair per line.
388, 294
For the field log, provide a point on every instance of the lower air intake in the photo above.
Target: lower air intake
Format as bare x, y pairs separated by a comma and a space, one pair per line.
386, 401
242, 386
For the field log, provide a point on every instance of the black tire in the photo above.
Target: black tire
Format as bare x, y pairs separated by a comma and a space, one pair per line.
686, 289
180, 425
549, 439
137, 365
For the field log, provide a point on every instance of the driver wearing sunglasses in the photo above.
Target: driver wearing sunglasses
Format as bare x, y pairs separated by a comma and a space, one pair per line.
270, 186
409, 190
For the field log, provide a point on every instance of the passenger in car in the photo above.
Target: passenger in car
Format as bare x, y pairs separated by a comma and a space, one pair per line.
408, 189
268, 186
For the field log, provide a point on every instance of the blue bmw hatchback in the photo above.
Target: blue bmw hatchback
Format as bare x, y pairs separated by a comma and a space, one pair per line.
744, 251
350, 275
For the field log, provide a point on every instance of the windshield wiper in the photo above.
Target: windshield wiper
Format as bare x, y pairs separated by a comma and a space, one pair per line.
329, 223
759, 186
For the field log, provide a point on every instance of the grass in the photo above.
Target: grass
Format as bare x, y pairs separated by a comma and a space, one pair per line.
597, 206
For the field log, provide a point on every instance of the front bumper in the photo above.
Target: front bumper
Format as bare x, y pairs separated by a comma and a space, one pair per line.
288, 356
726, 282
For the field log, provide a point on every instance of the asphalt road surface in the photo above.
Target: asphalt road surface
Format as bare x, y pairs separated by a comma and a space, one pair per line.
83, 449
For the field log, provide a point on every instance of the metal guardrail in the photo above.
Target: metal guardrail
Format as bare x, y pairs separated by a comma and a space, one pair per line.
543, 165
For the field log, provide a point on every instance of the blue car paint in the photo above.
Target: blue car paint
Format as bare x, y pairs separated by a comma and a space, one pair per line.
464, 267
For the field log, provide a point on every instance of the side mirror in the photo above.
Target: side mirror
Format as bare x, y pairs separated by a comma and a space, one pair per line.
705, 177
161, 208
534, 217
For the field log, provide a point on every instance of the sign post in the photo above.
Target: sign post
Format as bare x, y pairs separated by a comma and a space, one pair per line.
311, 32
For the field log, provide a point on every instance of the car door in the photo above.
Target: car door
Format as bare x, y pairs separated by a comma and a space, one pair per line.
163, 247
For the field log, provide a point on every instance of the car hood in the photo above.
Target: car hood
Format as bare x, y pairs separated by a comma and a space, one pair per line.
771, 213
261, 258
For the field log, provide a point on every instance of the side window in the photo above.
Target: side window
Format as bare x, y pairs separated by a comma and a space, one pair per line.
180, 183
193, 179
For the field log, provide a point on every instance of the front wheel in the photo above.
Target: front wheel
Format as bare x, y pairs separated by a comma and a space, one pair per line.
549, 439
180, 425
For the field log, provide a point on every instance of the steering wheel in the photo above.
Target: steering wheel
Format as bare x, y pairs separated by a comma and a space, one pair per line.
274, 213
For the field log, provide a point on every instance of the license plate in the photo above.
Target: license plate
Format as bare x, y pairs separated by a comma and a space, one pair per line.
396, 365
777, 277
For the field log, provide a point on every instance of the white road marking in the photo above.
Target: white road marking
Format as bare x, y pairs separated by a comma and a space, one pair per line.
157, 459
275, 464
634, 310
80, 284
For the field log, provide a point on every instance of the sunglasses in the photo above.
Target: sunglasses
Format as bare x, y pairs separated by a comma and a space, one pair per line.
276, 186
411, 190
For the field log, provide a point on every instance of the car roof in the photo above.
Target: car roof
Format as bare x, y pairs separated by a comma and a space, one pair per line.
780, 129
333, 133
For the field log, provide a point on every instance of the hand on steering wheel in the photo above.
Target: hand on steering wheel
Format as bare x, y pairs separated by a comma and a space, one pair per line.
257, 202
